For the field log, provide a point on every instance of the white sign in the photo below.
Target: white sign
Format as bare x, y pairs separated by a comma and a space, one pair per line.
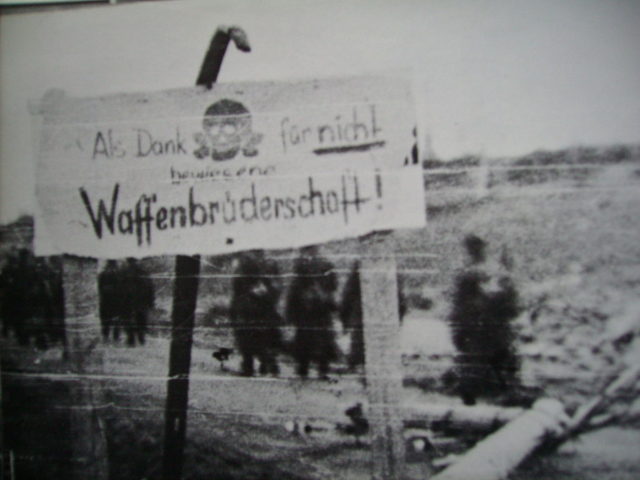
241, 166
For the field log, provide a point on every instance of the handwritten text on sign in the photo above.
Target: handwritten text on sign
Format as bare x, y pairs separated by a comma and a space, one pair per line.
259, 165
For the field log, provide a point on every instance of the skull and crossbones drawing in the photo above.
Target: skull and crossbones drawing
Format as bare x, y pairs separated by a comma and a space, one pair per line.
227, 130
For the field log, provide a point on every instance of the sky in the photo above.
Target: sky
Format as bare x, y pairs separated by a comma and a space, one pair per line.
493, 77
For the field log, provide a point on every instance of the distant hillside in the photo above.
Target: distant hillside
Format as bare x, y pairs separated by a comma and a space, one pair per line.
572, 167
608, 155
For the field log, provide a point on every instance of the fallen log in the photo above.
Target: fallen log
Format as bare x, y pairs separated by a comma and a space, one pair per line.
497, 455
500, 453
459, 417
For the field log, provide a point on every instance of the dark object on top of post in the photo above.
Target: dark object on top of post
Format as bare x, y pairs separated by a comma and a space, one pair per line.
213, 59
185, 294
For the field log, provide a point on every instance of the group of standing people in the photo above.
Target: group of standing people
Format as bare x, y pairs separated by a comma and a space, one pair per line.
126, 295
32, 299
483, 305
485, 301
310, 307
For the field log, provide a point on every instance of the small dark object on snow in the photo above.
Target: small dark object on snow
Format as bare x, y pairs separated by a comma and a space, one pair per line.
358, 426
354, 412
222, 355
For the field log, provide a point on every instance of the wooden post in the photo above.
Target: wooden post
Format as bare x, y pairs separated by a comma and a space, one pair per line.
185, 295
89, 448
381, 321
82, 328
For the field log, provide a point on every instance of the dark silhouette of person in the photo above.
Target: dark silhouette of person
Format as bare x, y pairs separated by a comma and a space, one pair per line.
23, 298
310, 307
12, 284
486, 363
33, 299
110, 300
502, 358
253, 312
351, 315
54, 297
138, 299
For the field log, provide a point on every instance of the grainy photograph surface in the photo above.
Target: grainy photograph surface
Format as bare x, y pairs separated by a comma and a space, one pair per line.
308, 240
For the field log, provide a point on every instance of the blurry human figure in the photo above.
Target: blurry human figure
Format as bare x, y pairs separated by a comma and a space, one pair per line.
23, 297
138, 299
310, 308
33, 299
36, 298
11, 306
502, 358
351, 315
110, 300
55, 309
253, 311
486, 363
